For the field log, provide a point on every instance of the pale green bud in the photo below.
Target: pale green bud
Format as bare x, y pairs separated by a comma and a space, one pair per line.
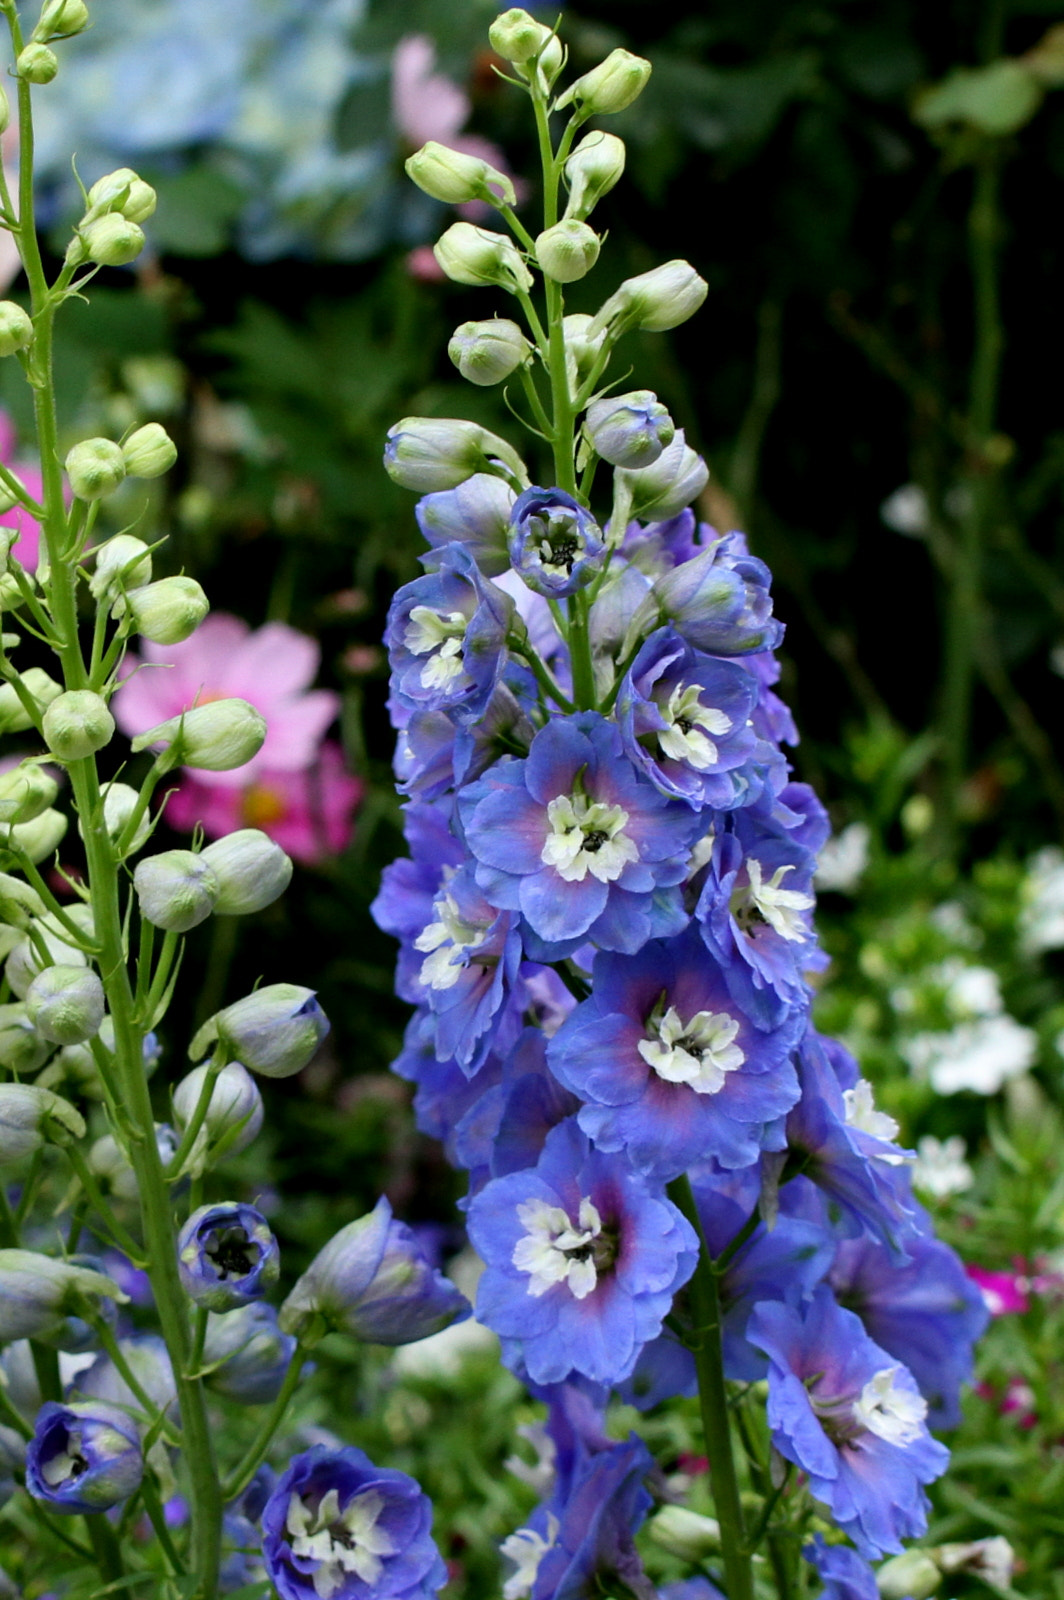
112, 240
140, 203
38, 839
663, 489
11, 596
77, 724
685, 1533
611, 86
24, 961
25, 791
66, 1004
16, 328
19, 901
177, 890
274, 1031
487, 352
37, 64
592, 170
568, 251
121, 191
95, 467
516, 36
215, 738
124, 562
478, 257
582, 348
251, 870
14, 718
169, 611
31, 1116
912, 1576
119, 803
656, 300
430, 453
454, 177
149, 452
22, 1049
5, 110
547, 65
235, 1103
37, 1292
61, 19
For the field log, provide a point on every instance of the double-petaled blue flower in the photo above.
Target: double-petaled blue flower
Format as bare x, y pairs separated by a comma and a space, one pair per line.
446, 636
83, 1458
555, 544
227, 1256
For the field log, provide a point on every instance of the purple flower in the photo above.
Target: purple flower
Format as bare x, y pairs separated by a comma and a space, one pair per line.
578, 841
851, 1418
83, 1458
685, 719
582, 1261
446, 636
227, 1256
671, 1068
842, 1572
372, 1280
926, 1312
719, 600
555, 545
476, 514
338, 1528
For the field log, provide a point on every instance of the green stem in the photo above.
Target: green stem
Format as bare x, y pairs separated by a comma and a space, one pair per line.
119, 1235
153, 1506
256, 1452
46, 1366
136, 1388
105, 1547
543, 676
191, 1133
579, 639
707, 1349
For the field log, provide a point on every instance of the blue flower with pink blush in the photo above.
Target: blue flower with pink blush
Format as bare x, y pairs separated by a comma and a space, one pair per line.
671, 1069
579, 842
582, 1260
851, 1418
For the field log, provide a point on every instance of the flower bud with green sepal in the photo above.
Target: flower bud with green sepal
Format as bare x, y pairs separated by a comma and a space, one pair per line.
518, 37
214, 738
25, 960
66, 1004
112, 240
251, 871
275, 1031
568, 250
427, 454
176, 890
487, 352
654, 301
912, 1576
16, 328
95, 468
38, 1292
120, 800
77, 724
169, 611
149, 452
37, 64
591, 171
31, 1117
234, 1111
456, 178
35, 840
248, 1353
22, 1048
480, 258
123, 563
61, 19
609, 87
123, 192
25, 791
14, 718
667, 486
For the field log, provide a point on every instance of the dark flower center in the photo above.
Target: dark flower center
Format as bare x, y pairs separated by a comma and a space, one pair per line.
594, 840
232, 1252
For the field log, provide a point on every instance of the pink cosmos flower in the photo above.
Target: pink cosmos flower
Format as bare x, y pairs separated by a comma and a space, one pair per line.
1004, 1292
309, 813
27, 546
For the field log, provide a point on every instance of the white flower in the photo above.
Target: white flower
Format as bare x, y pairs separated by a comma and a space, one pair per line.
906, 511
861, 1113
438, 635
689, 722
1042, 916
587, 836
893, 1414
526, 1550
843, 859
347, 1541
940, 1167
699, 1053
767, 901
979, 1055
554, 1250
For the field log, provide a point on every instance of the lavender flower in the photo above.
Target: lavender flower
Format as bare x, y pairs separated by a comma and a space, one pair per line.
227, 1256
83, 1458
555, 545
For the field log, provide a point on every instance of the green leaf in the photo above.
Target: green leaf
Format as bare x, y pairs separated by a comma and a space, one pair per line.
996, 99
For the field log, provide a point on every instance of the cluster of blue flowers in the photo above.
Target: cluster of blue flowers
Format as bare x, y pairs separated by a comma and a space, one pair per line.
606, 931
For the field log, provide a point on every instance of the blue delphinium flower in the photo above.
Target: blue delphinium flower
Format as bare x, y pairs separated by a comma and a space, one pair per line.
578, 841
842, 1572
248, 1354
850, 1417
555, 544
476, 515
227, 1256
582, 1261
670, 1068
685, 718
337, 1527
719, 600
83, 1458
446, 636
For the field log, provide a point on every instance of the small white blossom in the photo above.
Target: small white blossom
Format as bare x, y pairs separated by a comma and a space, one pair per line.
861, 1113
700, 1052
347, 1541
843, 859
780, 908
554, 1250
940, 1168
689, 722
526, 1550
438, 635
892, 1413
587, 836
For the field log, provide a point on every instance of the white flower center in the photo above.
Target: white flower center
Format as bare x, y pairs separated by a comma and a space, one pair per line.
438, 635
767, 902
447, 940
561, 544
526, 1550
347, 1541
71, 1463
587, 836
700, 1052
893, 1414
861, 1114
689, 724
555, 1250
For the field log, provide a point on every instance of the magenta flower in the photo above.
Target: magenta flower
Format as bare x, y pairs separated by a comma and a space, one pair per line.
26, 546
271, 667
1003, 1292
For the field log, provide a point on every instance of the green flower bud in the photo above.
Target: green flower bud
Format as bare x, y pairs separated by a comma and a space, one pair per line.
516, 36
77, 724
656, 300
234, 1109
140, 202
912, 1576
663, 489
611, 86
685, 1533
38, 839
547, 65
25, 791
5, 110
477, 256
214, 738
16, 328
149, 452
430, 453
66, 1004
582, 348
61, 19
168, 611
19, 901
275, 1031
177, 890
454, 177
95, 467
124, 562
251, 870
112, 240
14, 718
487, 352
38, 1292
592, 170
568, 251
25, 961
22, 1049
119, 803
37, 64
108, 1162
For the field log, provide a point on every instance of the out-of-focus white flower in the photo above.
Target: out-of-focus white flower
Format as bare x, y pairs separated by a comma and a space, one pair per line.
843, 859
1042, 916
940, 1168
951, 919
979, 1055
442, 1355
973, 992
538, 1475
992, 1560
906, 511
